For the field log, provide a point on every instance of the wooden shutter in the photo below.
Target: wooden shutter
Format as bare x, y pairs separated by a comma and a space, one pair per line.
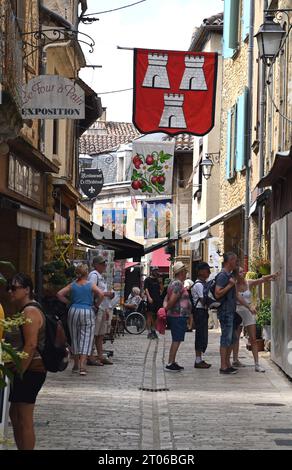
241, 130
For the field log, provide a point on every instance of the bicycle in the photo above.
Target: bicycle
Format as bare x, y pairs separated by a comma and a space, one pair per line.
135, 322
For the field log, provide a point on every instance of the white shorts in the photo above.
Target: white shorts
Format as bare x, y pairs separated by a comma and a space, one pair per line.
100, 324
247, 317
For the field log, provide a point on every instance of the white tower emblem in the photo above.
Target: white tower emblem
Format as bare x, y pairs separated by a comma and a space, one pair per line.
173, 115
193, 77
156, 74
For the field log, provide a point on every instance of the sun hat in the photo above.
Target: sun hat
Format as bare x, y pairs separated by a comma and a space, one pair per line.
178, 267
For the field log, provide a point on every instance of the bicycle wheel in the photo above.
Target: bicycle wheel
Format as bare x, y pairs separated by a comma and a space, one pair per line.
135, 323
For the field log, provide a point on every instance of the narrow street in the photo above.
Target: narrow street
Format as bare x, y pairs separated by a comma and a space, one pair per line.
114, 407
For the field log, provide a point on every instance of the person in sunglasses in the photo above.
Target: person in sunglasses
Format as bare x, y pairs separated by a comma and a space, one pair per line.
27, 338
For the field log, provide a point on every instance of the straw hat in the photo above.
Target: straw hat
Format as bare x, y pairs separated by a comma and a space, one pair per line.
178, 267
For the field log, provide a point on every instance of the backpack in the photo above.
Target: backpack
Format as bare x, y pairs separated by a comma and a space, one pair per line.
55, 354
210, 300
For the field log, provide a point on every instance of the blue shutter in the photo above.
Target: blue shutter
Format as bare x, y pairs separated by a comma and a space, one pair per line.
228, 146
230, 28
241, 131
245, 19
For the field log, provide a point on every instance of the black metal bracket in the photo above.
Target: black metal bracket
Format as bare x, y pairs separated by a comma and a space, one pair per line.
54, 35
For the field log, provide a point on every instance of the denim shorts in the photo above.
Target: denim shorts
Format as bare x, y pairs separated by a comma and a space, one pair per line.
228, 327
178, 327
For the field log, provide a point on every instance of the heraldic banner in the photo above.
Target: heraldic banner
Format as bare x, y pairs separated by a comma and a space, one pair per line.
174, 91
152, 167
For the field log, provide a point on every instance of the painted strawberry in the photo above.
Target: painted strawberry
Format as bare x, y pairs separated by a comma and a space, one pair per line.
137, 184
161, 179
154, 180
149, 160
137, 164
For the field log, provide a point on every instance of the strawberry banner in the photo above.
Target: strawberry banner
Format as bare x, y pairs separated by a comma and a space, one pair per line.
174, 91
152, 168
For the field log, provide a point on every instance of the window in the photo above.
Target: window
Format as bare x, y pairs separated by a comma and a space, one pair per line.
231, 28
237, 136
121, 171
231, 143
245, 20
55, 136
241, 130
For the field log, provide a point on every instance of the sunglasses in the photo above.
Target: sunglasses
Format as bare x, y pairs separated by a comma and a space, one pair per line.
14, 288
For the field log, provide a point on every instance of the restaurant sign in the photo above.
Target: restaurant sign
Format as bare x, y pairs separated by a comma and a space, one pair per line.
91, 182
52, 97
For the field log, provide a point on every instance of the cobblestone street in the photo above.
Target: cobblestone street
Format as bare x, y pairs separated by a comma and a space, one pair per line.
114, 408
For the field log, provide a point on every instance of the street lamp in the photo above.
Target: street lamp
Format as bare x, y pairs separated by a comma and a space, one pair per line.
269, 38
208, 163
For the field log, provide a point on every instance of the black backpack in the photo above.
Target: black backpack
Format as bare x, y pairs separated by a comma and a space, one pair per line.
55, 354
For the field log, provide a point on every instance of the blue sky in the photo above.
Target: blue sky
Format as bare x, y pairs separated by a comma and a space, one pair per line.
160, 24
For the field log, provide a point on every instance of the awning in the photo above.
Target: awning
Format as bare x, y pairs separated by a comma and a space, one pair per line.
197, 237
33, 219
264, 196
281, 166
94, 235
216, 220
131, 264
33, 156
160, 258
93, 107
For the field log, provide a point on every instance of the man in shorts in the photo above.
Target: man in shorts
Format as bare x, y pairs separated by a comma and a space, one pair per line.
154, 301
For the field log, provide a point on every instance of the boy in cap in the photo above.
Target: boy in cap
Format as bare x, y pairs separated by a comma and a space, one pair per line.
201, 315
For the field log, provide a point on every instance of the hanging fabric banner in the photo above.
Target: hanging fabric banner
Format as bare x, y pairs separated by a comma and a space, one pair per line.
174, 91
152, 167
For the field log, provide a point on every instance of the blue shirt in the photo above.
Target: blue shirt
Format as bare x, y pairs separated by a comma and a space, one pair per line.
82, 295
228, 304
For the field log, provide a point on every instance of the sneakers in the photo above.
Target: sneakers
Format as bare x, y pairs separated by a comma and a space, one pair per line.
228, 371
202, 365
259, 368
238, 364
180, 367
174, 367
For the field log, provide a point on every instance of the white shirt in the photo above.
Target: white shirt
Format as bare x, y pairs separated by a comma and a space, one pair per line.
197, 293
96, 278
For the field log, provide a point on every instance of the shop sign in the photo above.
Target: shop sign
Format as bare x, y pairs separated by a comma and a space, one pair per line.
91, 182
52, 97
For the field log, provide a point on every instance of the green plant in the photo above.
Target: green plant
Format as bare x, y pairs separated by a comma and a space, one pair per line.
58, 274
261, 263
7, 352
264, 312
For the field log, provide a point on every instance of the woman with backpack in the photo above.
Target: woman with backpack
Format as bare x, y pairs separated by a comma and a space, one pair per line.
29, 338
81, 315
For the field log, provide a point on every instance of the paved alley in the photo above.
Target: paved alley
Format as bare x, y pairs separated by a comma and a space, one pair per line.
113, 407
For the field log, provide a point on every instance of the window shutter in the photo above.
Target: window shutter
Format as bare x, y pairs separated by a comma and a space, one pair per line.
230, 28
241, 130
245, 19
228, 149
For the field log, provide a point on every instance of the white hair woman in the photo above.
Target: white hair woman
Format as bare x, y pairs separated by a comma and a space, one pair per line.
81, 316
133, 300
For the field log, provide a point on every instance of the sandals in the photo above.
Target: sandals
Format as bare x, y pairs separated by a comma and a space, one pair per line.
83, 372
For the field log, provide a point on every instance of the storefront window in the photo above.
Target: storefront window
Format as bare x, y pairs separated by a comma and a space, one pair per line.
24, 180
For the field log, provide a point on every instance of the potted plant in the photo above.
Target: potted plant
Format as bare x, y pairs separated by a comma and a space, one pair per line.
264, 318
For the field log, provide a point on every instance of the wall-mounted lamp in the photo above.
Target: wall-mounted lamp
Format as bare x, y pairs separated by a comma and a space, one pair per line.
208, 162
269, 38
